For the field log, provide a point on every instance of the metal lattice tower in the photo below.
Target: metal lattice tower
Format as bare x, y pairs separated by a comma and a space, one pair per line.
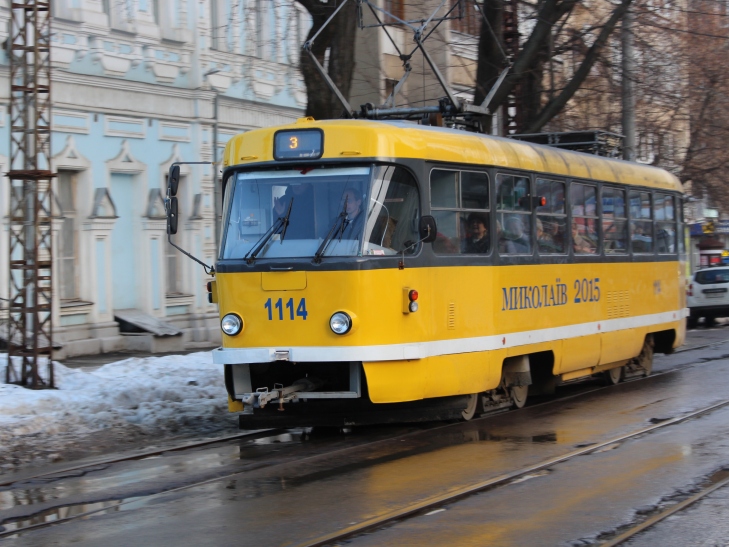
513, 112
30, 327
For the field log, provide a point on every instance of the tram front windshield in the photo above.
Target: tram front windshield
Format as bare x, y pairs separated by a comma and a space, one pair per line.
351, 211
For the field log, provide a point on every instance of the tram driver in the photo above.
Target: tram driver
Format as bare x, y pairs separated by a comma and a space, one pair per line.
354, 220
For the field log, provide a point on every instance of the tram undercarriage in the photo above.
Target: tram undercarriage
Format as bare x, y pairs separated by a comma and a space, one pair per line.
335, 394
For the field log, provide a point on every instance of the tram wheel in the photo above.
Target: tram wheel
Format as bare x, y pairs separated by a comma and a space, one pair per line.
471, 409
518, 395
613, 376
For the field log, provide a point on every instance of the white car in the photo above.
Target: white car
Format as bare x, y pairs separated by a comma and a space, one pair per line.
707, 295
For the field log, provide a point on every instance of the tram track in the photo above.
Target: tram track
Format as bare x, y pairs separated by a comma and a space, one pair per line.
633, 531
120, 502
19, 477
13, 479
436, 502
9, 530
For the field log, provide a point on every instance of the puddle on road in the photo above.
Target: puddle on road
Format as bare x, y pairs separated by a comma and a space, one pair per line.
86, 482
544, 438
55, 515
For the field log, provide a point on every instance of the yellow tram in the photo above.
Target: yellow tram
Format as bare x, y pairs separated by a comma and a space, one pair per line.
375, 271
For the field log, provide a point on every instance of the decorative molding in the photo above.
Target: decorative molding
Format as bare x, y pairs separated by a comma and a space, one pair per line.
118, 126
103, 207
70, 158
180, 132
68, 47
266, 78
155, 205
155, 225
68, 121
166, 65
174, 157
99, 224
115, 58
124, 162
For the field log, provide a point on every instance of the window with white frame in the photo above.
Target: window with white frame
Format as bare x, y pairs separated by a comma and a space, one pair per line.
67, 253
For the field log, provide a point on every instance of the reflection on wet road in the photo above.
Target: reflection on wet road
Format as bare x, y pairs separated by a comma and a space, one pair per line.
296, 486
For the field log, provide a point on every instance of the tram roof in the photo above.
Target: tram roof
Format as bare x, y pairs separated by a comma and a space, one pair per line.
351, 139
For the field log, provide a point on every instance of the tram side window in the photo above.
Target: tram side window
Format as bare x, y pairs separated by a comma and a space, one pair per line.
459, 201
551, 217
641, 225
664, 213
513, 215
614, 221
583, 201
393, 212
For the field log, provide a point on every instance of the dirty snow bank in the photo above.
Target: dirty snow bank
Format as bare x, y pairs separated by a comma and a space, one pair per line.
111, 408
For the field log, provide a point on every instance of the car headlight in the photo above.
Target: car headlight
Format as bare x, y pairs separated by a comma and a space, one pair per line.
231, 324
340, 323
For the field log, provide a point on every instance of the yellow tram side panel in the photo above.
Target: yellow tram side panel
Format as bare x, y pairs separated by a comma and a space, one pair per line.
457, 304
352, 139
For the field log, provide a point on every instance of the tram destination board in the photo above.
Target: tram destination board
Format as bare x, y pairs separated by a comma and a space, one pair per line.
298, 144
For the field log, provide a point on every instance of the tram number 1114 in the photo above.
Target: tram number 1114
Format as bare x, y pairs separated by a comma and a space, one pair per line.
289, 305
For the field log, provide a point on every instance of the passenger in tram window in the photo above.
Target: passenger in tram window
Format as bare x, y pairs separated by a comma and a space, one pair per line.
301, 221
580, 243
517, 235
641, 237
549, 238
477, 241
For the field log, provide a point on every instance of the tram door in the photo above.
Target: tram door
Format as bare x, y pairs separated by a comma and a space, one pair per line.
122, 243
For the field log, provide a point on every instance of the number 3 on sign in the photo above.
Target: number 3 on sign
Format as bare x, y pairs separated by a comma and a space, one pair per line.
293, 143
279, 306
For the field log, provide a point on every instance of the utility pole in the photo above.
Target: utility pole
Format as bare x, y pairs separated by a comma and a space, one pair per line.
30, 327
628, 89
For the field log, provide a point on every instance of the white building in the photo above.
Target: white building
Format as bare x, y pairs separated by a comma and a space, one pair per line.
135, 87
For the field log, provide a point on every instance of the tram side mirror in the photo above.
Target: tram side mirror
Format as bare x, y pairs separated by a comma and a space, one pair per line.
172, 216
428, 229
173, 180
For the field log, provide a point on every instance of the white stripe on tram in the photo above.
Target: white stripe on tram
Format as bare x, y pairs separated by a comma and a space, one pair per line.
421, 350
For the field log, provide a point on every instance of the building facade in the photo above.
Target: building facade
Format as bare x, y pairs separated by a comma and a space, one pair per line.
140, 84
136, 86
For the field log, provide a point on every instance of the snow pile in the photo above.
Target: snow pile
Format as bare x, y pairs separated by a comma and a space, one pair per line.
130, 399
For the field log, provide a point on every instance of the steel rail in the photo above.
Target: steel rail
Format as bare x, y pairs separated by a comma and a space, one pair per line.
398, 514
134, 499
434, 502
655, 519
110, 460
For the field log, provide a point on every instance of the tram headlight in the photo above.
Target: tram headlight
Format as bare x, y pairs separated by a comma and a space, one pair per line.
231, 324
340, 323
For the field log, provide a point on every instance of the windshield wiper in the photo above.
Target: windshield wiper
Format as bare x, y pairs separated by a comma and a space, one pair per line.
338, 225
281, 222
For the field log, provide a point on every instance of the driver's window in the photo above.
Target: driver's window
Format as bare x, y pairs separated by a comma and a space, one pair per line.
393, 212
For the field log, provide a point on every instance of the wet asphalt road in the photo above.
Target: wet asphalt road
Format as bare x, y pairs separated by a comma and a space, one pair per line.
292, 489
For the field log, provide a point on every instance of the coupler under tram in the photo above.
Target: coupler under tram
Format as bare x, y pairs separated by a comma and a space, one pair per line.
323, 394
336, 395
